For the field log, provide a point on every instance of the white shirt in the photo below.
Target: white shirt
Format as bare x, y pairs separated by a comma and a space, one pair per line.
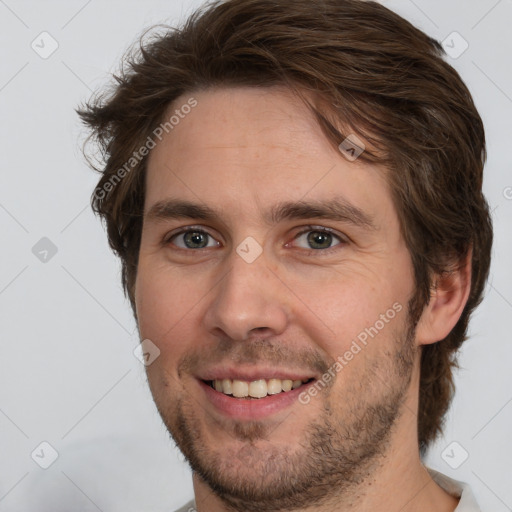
457, 489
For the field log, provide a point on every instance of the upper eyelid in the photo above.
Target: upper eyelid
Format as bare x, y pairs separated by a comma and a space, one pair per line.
325, 229
185, 229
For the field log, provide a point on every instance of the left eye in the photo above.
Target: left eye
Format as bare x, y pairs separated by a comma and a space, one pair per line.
318, 239
193, 239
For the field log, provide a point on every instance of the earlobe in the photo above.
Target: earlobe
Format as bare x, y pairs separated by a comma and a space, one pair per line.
447, 301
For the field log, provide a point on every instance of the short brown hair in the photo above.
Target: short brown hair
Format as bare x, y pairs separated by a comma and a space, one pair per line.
370, 71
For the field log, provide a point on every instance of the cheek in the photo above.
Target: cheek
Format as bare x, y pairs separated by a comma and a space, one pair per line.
165, 309
336, 309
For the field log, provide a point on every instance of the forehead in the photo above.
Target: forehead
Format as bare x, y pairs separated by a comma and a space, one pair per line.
252, 147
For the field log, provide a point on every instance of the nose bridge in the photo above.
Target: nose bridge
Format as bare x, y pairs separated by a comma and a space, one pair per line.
248, 297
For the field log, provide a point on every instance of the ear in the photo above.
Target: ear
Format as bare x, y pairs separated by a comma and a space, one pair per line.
448, 298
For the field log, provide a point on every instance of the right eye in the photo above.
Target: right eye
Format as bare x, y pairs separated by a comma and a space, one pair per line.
192, 239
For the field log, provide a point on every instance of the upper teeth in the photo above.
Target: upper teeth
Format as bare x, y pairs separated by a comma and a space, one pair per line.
256, 388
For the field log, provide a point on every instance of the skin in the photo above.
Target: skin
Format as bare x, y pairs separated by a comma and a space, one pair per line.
241, 151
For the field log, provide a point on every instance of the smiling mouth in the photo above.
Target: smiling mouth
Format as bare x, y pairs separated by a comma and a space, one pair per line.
255, 389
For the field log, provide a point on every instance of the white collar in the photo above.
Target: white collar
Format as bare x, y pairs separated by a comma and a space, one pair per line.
457, 489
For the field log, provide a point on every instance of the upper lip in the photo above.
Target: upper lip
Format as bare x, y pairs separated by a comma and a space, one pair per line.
253, 373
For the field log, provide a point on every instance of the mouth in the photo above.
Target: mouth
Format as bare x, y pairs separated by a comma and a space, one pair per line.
255, 389
253, 393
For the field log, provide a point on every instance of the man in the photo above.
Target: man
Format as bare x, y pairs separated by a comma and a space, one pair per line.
294, 190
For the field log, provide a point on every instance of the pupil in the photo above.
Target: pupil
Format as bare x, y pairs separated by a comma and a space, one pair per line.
195, 239
319, 240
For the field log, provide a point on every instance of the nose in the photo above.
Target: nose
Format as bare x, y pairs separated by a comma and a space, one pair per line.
250, 299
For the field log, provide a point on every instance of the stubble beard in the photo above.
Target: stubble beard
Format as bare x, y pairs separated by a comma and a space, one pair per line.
336, 455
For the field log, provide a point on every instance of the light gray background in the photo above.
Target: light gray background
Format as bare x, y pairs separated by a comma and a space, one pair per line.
67, 372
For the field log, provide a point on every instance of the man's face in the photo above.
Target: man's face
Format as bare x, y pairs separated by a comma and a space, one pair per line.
266, 288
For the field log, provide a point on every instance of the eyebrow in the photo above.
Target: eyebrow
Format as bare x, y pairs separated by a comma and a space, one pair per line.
337, 209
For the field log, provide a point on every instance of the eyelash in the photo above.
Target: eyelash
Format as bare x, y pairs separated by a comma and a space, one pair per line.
342, 240
319, 229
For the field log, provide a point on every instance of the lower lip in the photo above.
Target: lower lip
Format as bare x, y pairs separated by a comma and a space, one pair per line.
251, 409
